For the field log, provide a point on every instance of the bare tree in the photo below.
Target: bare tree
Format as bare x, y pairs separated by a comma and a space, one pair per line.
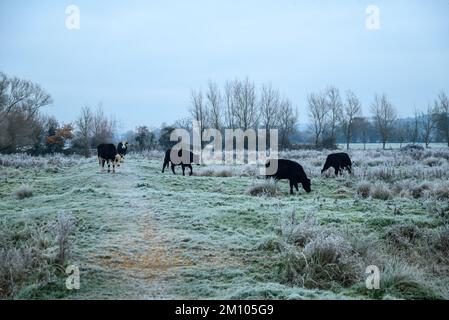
213, 105
103, 128
287, 119
229, 105
198, 109
414, 133
361, 126
334, 106
352, 109
246, 108
318, 111
442, 108
428, 124
20, 102
269, 106
84, 123
384, 116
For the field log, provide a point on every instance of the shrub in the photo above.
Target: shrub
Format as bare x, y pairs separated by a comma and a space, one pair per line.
23, 192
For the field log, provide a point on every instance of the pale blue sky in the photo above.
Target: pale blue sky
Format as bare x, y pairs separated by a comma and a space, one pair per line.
142, 58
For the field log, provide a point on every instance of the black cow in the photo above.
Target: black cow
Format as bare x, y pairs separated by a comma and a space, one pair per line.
184, 165
338, 161
108, 153
291, 170
122, 148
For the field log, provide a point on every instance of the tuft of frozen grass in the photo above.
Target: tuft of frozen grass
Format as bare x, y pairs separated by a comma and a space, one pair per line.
266, 188
442, 191
364, 189
433, 162
27, 256
315, 257
214, 173
405, 281
64, 228
403, 235
381, 191
23, 192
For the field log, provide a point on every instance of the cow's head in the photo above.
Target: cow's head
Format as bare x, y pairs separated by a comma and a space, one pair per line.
307, 185
117, 160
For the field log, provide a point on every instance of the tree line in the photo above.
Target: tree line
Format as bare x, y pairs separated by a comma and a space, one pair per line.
333, 117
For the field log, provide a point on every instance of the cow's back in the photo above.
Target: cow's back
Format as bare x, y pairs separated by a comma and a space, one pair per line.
107, 151
285, 168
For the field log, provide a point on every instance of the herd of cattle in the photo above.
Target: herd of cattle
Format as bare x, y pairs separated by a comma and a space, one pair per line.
286, 169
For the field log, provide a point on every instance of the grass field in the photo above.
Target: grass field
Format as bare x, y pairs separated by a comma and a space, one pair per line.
225, 232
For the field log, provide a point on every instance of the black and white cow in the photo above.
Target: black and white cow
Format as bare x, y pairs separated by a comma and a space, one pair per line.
107, 152
122, 149
291, 170
339, 161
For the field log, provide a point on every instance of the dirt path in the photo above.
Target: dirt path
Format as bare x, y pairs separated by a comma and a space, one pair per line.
139, 253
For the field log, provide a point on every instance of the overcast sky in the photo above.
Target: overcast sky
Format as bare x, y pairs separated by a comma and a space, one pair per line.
142, 58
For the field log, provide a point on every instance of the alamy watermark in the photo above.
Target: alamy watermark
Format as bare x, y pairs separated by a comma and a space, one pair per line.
250, 146
73, 279
372, 21
373, 280
72, 21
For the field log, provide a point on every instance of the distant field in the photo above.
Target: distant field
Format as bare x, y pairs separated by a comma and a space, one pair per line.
360, 146
227, 233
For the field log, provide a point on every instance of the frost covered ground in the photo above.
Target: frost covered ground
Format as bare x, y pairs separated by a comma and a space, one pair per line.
226, 233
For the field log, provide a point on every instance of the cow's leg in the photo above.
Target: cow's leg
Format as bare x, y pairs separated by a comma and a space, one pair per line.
109, 166
296, 186
113, 167
349, 169
191, 169
164, 166
183, 169
291, 186
173, 168
337, 169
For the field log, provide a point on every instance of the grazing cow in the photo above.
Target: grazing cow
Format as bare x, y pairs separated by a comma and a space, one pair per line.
338, 161
187, 164
122, 148
108, 153
291, 170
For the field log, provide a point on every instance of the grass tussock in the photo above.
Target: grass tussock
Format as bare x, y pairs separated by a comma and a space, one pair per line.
315, 257
23, 192
266, 188
381, 191
34, 255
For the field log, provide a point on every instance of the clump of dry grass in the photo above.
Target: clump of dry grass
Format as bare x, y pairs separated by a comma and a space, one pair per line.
266, 188
23, 192
432, 162
315, 257
213, 173
403, 235
364, 189
381, 191
441, 191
